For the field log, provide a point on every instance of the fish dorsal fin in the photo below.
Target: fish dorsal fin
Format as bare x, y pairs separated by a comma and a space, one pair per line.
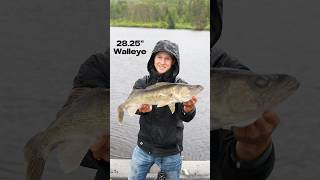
157, 85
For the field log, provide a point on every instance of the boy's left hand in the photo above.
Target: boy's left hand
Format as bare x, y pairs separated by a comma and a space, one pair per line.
254, 139
189, 105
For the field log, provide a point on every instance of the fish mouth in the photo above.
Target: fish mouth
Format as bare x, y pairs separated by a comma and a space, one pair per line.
292, 83
294, 86
200, 87
197, 89
288, 86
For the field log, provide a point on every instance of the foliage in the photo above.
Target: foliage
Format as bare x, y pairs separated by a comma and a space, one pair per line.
185, 14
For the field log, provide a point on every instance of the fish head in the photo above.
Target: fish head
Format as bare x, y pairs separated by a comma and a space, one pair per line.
273, 89
184, 92
240, 94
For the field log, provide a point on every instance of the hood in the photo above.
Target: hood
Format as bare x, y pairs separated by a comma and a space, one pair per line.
215, 21
172, 49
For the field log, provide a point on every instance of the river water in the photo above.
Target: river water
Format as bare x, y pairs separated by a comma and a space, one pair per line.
126, 69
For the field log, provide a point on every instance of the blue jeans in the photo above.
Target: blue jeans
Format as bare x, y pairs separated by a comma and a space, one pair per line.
141, 163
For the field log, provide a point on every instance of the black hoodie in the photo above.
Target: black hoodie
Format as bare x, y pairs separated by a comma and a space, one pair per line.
224, 165
161, 132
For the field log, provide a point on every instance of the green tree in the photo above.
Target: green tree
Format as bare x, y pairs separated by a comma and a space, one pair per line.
161, 13
170, 21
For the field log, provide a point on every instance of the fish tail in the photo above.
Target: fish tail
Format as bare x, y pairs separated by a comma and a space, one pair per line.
120, 113
36, 155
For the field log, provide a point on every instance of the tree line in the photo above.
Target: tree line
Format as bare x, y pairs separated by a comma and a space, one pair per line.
171, 14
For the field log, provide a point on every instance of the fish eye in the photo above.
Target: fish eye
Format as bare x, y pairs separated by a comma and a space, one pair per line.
262, 81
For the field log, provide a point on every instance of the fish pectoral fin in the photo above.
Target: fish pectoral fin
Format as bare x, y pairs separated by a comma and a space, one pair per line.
162, 104
132, 110
172, 107
71, 153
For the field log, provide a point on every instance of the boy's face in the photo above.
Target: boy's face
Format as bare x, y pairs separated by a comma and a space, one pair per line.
163, 62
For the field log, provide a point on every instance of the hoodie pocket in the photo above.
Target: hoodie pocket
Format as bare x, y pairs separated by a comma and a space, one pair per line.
164, 130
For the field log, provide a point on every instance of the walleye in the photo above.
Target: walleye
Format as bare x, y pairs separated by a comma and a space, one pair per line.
82, 119
239, 97
160, 94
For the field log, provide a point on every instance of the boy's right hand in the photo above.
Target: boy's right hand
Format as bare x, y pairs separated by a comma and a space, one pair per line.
145, 108
101, 148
